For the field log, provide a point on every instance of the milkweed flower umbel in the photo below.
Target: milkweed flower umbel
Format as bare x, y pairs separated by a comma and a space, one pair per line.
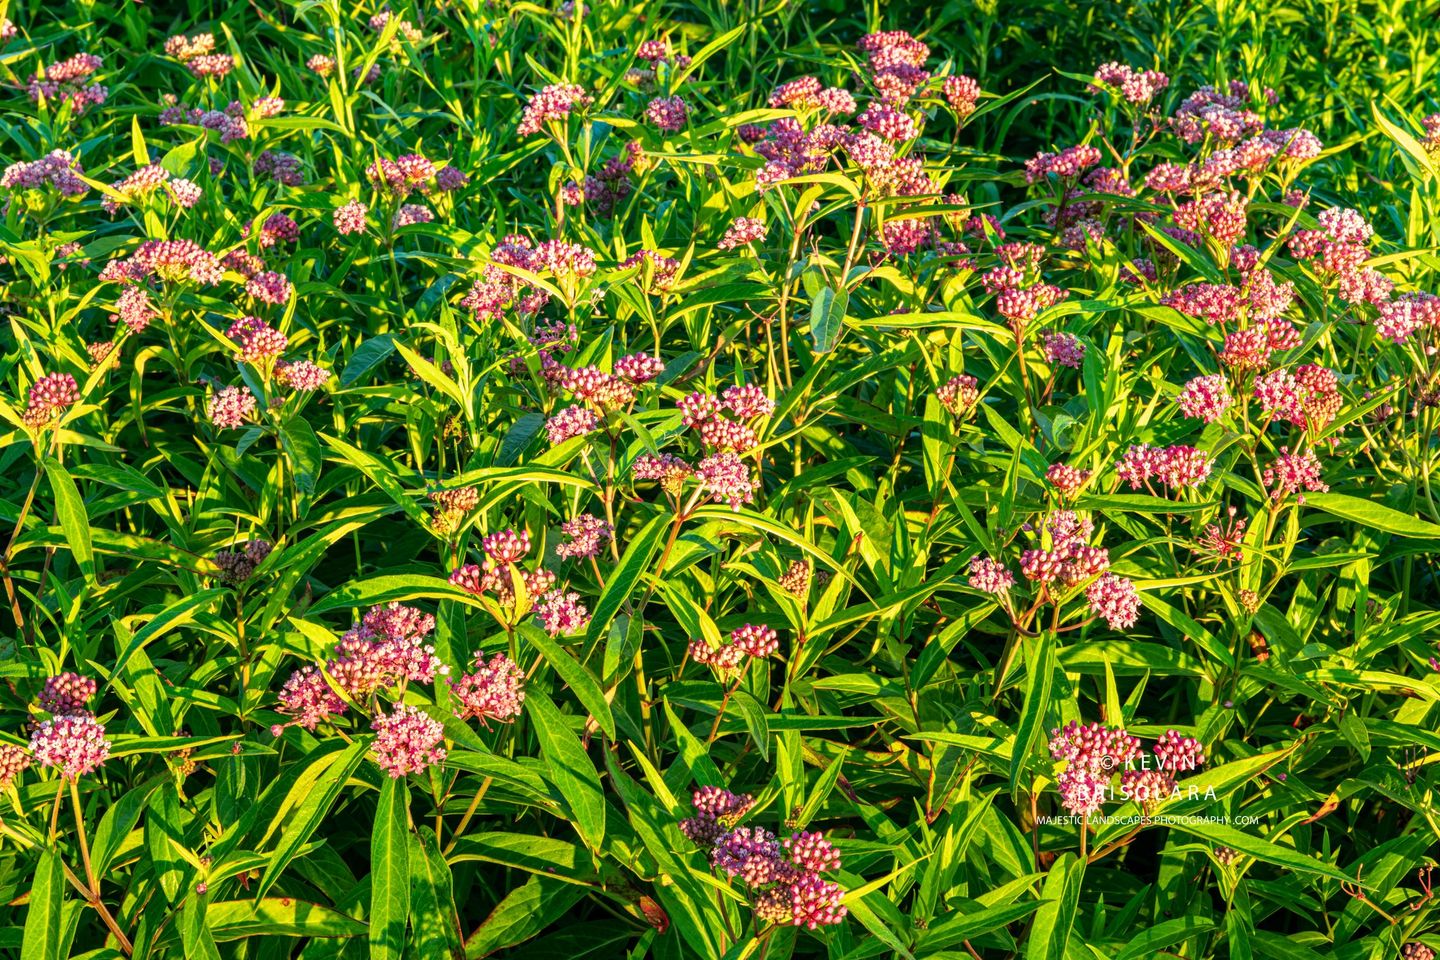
14, 760
555, 102
407, 740
1115, 600
74, 744
494, 690
230, 407
742, 230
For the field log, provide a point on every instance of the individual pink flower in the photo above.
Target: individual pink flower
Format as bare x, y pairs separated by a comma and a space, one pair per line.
407, 740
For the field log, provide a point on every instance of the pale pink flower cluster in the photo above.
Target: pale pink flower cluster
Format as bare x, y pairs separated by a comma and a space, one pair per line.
1175, 466
1136, 86
170, 261
407, 740
1295, 473
230, 407
746, 642
554, 102
742, 230
72, 741
585, 536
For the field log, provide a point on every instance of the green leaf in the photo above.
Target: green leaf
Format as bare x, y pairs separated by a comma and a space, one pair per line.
827, 318
523, 913
1223, 835
73, 521
181, 611
195, 932
311, 813
1377, 516
433, 920
366, 357
390, 871
581, 681
43, 925
279, 917
1149, 942
303, 449
569, 769
1040, 679
1049, 937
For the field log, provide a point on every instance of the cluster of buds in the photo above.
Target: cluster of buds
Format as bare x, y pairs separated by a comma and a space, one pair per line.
1094, 754
49, 398
747, 642
238, 565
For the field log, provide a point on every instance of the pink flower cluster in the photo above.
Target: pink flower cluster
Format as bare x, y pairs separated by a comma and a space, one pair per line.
1176, 466
49, 397
66, 82
555, 102
1136, 86
494, 690
1093, 754
72, 741
407, 740
585, 536
58, 169
783, 877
